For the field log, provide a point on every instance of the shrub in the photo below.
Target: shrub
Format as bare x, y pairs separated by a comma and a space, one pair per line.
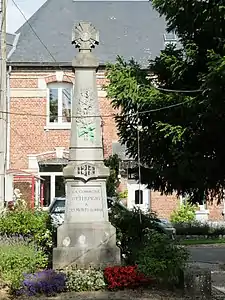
216, 231
48, 282
123, 194
124, 277
197, 228
194, 228
20, 205
80, 280
35, 225
17, 257
185, 213
130, 227
161, 258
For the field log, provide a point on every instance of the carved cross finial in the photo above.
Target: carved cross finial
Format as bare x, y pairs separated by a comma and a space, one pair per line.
85, 36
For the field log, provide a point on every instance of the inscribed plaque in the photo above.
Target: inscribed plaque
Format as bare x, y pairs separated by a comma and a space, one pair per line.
86, 203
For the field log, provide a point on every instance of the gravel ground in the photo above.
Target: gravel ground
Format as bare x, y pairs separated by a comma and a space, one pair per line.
121, 295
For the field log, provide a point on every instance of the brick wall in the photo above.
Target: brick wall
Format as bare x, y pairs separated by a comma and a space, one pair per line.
163, 205
28, 134
109, 126
215, 211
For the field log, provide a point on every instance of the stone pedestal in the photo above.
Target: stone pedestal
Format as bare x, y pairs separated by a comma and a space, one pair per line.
197, 283
86, 237
86, 244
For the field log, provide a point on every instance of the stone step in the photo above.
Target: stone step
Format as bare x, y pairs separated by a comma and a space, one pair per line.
218, 293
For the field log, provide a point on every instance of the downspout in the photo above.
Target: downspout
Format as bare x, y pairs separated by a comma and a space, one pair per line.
15, 42
7, 158
8, 178
8, 120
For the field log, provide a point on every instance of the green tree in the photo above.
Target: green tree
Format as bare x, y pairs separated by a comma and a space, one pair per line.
112, 182
184, 214
181, 147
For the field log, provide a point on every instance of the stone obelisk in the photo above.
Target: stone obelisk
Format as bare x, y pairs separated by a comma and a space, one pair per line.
86, 236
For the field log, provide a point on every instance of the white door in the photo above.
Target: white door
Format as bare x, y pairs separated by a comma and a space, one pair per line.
138, 198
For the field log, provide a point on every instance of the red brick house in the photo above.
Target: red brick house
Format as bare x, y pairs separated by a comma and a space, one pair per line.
41, 82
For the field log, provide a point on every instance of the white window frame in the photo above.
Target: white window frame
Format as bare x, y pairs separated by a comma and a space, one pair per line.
52, 176
132, 186
60, 124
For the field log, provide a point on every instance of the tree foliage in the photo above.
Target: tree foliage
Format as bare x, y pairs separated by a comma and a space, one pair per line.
112, 182
184, 214
181, 147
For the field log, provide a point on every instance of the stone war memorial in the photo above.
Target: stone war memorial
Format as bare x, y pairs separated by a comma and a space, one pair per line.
86, 237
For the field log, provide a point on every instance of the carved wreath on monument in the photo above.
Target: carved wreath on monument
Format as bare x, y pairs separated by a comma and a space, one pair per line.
85, 123
85, 36
85, 171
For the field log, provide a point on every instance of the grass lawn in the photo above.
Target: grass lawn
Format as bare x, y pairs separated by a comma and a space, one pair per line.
202, 242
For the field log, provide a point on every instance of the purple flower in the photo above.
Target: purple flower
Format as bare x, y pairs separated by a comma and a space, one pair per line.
48, 282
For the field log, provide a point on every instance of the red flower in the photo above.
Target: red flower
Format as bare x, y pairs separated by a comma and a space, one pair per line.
126, 276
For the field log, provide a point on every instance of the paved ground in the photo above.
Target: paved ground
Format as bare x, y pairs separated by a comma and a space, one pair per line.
211, 254
218, 279
211, 257
125, 295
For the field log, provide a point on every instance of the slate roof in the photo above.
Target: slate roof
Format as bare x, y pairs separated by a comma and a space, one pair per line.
127, 28
9, 42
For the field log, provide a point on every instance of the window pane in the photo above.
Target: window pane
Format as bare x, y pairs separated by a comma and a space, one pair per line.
66, 104
53, 105
47, 190
138, 197
59, 186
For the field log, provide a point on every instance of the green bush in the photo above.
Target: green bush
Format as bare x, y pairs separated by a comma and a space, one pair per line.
216, 231
130, 227
185, 213
193, 228
18, 257
123, 195
80, 280
35, 225
161, 258
196, 228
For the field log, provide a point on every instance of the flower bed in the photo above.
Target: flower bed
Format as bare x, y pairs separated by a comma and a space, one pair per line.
27, 248
49, 282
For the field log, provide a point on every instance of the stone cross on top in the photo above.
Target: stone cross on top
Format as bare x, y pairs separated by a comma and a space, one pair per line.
85, 36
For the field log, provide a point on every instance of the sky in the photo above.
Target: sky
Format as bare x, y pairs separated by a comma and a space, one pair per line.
15, 18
